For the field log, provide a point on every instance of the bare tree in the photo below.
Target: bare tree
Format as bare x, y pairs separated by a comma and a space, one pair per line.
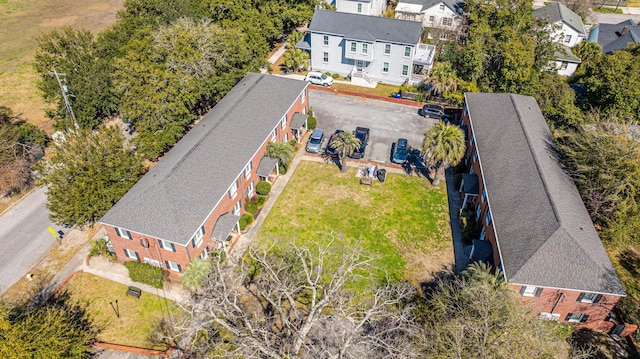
297, 301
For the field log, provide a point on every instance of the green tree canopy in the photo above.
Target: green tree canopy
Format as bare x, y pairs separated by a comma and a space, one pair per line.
345, 143
90, 172
443, 146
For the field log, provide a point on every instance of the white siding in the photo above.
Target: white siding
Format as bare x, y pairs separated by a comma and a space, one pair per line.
373, 7
569, 69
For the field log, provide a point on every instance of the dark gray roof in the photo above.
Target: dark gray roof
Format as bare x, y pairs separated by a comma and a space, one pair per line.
610, 37
558, 12
175, 197
565, 54
224, 225
266, 166
470, 182
366, 28
304, 43
298, 121
544, 234
481, 251
427, 4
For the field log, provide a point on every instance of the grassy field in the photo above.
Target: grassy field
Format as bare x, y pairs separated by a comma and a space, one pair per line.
21, 22
138, 317
404, 219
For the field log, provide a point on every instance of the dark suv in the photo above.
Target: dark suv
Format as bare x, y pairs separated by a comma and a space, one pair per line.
330, 150
361, 133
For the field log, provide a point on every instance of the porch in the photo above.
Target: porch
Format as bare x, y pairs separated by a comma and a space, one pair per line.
268, 169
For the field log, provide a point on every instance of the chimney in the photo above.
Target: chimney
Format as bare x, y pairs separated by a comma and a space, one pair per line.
624, 30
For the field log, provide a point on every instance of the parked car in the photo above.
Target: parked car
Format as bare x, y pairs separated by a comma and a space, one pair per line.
315, 141
434, 111
330, 150
361, 133
400, 151
318, 78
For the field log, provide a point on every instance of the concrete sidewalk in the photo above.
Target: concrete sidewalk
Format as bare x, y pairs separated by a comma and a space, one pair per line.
462, 261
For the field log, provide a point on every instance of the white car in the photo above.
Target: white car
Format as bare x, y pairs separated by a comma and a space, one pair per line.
318, 78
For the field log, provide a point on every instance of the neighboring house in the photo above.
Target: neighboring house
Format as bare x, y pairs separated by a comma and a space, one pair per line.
612, 37
189, 203
567, 26
368, 49
443, 18
531, 214
363, 7
566, 62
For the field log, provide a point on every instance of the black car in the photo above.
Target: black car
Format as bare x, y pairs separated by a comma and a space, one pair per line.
330, 150
400, 151
361, 133
434, 111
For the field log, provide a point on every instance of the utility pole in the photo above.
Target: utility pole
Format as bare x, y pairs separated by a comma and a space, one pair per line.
65, 95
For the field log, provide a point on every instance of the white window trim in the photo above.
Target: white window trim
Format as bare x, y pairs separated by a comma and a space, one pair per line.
529, 291
385, 49
170, 265
166, 245
385, 69
273, 135
588, 300
302, 97
250, 190
364, 49
325, 40
576, 320
236, 208
488, 219
247, 170
127, 253
197, 238
233, 190
122, 233
403, 70
153, 262
353, 47
325, 57
405, 52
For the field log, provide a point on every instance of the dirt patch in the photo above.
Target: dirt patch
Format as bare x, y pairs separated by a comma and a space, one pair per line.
21, 22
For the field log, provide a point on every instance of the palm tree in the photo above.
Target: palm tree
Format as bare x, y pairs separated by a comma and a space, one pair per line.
195, 273
443, 146
442, 78
283, 151
295, 58
345, 143
295, 37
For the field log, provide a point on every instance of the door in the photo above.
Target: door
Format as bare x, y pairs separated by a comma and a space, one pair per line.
359, 65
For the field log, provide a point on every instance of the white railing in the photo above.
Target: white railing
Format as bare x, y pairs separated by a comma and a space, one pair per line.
360, 74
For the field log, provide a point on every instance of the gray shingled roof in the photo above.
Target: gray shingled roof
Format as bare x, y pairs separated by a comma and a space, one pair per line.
175, 197
558, 12
266, 166
610, 37
471, 184
545, 235
426, 4
565, 54
298, 121
366, 28
224, 225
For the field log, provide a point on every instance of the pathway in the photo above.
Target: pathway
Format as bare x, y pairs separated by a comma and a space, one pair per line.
462, 261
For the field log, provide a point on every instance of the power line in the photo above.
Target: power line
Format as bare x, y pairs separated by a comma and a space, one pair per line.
65, 95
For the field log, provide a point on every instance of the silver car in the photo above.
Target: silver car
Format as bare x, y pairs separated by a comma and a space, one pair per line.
315, 141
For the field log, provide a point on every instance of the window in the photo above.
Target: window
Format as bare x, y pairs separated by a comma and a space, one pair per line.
365, 49
153, 262
174, 266
122, 233
530, 291
387, 49
589, 297
325, 40
475, 156
236, 208
385, 67
196, 240
563, 65
442, 7
283, 122
407, 51
483, 234
273, 137
443, 36
359, 7
285, 138
488, 219
550, 316
166, 245
205, 253
247, 170
302, 96
484, 195
250, 189
576, 317
354, 46
567, 38
325, 57
405, 70
131, 254
447, 21
472, 141
478, 212
233, 190
432, 18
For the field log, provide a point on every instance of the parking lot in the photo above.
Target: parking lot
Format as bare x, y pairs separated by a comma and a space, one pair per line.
387, 121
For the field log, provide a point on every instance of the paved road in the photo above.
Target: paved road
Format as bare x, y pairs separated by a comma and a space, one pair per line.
24, 238
608, 18
387, 121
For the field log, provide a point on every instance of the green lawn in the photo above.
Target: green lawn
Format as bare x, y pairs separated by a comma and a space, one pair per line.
404, 219
138, 317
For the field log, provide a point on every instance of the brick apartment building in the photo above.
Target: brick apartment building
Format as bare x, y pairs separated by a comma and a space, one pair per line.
191, 200
534, 223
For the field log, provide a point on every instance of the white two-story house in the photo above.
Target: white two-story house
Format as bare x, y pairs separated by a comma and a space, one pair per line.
442, 18
366, 48
363, 7
567, 29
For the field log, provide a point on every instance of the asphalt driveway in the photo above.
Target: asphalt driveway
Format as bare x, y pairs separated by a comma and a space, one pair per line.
387, 121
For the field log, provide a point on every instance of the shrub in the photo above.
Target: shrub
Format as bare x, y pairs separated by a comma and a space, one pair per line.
335, 76
328, 73
311, 122
145, 273
99, 248
263, 188
251, 207
282, 168
245, 221
261, 201
469, 226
